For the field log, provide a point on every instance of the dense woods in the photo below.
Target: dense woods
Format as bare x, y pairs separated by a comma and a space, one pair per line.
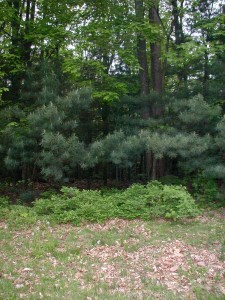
112, 149
115, 90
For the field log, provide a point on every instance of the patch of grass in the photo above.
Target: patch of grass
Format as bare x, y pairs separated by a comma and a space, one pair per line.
46, 261
201, 294
45, 247
7, 290
194, 232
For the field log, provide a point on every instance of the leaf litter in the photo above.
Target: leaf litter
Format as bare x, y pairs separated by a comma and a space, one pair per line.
174, 264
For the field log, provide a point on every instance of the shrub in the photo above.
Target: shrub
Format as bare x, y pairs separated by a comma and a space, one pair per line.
138, 201
171, 202
131, 203
76, 206
20, 216
48, 193
27, 197
4, 206
205, 189
173, 180
4, 202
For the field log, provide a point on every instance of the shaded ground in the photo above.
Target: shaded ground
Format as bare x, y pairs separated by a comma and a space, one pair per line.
33, 190
115, 260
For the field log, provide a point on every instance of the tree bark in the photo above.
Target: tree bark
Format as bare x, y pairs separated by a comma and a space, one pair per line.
143, 74
15, 78
157, 76
156, 65
177, 23
142, 51
30, 15
179, 34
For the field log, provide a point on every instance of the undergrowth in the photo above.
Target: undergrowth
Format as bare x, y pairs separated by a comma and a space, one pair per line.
138, 201
74, 206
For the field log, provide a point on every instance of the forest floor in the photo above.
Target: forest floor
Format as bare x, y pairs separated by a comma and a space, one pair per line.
119, 259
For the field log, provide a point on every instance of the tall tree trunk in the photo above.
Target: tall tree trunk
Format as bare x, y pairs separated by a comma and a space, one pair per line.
157, 76
21, 43
142, 54
27, 43
179, 33
156, 65
143, 73
105, 119
206, 75
105, 116
14, 90
177, 22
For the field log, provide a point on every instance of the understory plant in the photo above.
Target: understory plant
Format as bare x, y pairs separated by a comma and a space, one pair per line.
138, 201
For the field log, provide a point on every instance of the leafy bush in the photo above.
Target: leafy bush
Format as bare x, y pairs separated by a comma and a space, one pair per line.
4, 202
131, 203
27, 197
4, 206
173, 180
171, 201
138, 201
48, 193
205, 189
19, 216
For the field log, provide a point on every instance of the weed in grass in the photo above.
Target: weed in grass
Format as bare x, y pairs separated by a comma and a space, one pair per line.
202, 294
42, 246
158, 291
5, 236
4, 202
7, 290
222, 256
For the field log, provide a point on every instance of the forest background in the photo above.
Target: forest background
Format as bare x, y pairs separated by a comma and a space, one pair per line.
112, 149
128, 90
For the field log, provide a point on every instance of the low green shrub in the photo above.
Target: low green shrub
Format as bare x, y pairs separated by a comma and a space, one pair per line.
138, 201
4, 206
205, 190
172, 202
76, 206
27, 197
173, 180
19, 216
131, 203
4, 202
48, 193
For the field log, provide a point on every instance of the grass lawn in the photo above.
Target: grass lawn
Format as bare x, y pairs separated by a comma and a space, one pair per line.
119, 259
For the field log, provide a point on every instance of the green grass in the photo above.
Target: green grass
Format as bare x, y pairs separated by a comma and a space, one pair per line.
115, 260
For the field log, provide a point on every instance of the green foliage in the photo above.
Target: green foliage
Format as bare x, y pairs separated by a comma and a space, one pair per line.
196, 114
222, 257
198, 135
68, 132
205, 189
220, 139
19, 216
27, 197
55, 128
75, 206
4, 206
48, 193
173, 180
138, 201
172, 202
4, 202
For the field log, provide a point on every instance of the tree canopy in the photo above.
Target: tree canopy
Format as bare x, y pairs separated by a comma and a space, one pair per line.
114, 89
